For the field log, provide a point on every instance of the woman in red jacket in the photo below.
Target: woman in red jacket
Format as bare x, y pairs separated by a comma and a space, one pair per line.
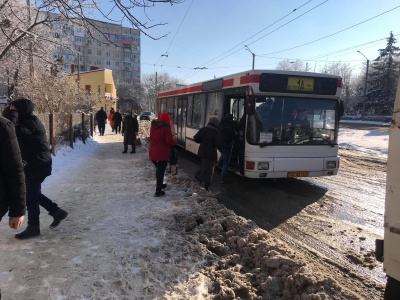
111, 118
161, 140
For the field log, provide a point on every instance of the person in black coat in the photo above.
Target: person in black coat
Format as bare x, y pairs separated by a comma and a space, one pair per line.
117, 118
209, 139
101, 118
12, 178
130, 128
35, 151
227, 131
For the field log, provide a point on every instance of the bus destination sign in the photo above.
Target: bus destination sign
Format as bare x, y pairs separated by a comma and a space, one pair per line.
300, 84
284, 83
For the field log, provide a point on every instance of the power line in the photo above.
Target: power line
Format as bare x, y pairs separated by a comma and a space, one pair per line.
209, 62
340, 31
179, 27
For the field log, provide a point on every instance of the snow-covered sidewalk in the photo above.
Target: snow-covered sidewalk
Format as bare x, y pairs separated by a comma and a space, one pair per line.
121, 242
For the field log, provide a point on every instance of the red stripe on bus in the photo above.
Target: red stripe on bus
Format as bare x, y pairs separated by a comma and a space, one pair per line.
228, 82
181, 91
254, 78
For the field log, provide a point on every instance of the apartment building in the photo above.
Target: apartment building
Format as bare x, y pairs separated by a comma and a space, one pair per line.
112, 47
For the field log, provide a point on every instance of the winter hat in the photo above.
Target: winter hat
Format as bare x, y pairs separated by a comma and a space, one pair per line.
23, 106
214, 121
164, 117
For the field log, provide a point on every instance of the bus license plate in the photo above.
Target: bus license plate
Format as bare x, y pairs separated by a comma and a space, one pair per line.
297, 174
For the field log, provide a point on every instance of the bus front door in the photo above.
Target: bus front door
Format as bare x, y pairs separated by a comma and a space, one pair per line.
181, 121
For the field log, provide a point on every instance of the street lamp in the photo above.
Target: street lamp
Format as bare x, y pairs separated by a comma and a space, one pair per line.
248, 49
365, 87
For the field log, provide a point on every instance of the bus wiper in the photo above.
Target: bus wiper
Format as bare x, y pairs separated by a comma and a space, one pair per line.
316, 137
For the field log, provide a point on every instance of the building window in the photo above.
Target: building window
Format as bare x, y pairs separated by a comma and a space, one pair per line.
98, 52
108, 63
89, 42
108, 53
99, 44
89, 51
79, 39
117, 63
107, 45
116, 54
98, 62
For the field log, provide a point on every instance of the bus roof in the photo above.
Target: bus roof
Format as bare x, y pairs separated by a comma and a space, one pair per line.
242, 79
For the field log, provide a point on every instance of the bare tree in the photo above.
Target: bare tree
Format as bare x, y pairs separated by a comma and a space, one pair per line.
291, 65
130, 95
151, 87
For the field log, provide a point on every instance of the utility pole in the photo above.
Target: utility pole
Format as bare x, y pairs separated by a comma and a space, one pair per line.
365, 88
79, 76
156, 91
254, 56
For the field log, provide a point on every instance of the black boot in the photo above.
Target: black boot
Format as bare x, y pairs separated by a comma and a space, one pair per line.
58, 216
159, 193
125, 151
30, 232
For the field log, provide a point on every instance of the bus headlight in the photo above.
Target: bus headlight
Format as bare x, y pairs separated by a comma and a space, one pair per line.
331, 164
263, 165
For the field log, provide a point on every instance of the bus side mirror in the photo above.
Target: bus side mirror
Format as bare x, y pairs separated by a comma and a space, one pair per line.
249, 104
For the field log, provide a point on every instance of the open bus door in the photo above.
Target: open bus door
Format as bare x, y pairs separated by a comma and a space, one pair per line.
181, 120
388, 250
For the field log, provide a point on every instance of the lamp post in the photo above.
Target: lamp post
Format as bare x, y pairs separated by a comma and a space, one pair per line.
254, 56
365, 87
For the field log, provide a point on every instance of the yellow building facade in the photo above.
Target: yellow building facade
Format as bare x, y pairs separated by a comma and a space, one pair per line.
100, 82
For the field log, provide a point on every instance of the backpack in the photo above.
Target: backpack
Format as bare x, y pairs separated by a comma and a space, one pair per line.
173, 160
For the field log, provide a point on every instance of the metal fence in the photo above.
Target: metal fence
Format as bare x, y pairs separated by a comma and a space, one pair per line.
64, 129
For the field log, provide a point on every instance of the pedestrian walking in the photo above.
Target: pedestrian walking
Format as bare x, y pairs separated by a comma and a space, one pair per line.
161, 141
35, 151
209, 139
130, 129
117, 118
12, 178
101, 118
111, 118
227, 132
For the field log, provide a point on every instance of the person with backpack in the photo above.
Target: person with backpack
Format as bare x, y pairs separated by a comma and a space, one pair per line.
209, 139
227, 131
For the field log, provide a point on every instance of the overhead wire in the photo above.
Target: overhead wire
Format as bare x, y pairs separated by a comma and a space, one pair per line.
340, 31
239, 44
179, 27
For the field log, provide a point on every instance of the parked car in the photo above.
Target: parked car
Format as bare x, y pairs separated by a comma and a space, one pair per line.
147, 115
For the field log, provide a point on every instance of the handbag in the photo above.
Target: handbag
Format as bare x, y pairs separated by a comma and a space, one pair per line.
138, 142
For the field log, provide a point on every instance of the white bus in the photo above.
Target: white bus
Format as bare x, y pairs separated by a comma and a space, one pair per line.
266, 104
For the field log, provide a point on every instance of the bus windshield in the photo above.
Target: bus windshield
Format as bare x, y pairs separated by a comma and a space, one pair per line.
290, 120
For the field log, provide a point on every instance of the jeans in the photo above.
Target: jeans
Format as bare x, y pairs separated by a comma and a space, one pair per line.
223, 162
160, 171
34, 199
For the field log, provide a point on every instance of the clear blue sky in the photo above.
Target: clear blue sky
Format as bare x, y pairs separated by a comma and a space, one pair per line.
212, 34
